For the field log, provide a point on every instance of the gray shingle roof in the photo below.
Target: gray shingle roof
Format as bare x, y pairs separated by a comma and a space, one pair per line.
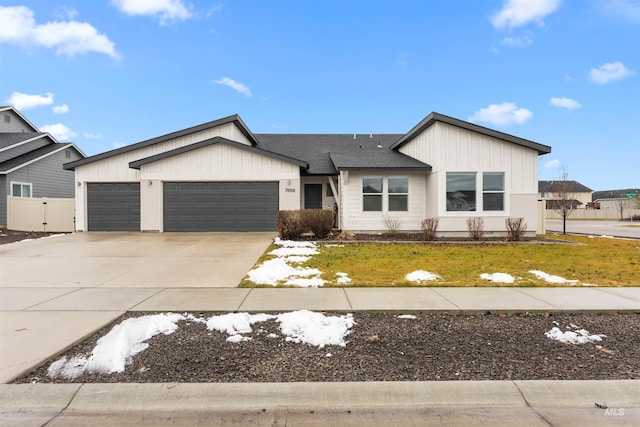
11, 138
10, 164
556, 186
322, 151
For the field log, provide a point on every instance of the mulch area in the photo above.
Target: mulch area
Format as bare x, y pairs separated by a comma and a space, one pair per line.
10, 236
383, 347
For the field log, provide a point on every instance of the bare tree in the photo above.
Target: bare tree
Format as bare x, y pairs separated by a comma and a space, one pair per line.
565, 201
621, 204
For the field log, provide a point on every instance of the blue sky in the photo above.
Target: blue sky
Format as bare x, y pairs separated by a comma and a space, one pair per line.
107, 73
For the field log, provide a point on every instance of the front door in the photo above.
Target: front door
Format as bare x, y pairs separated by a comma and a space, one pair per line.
313, 196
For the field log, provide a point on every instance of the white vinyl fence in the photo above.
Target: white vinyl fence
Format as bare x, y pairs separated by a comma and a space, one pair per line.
40, 214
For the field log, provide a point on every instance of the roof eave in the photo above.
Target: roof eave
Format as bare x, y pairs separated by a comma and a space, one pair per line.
437, 117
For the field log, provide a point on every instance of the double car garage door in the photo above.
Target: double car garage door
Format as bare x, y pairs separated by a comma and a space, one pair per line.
187, 206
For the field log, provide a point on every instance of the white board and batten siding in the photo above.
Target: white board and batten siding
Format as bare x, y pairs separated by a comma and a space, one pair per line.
353, 217
452, 149
116, 168
217, 162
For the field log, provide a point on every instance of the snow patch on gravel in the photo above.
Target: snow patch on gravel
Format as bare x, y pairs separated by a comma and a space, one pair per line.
115, 350
575, 336
498, 277
421, 276
406, 316
550, 278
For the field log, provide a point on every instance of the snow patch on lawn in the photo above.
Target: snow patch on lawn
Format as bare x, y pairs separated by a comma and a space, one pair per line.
550, 278
421, 276
575, 336
115, 350
343, 278
498, 277
279, 269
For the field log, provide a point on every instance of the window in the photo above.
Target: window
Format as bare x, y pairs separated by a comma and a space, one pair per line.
372, 187
329, 192
493, 191
398, 193
461, 191
20, 189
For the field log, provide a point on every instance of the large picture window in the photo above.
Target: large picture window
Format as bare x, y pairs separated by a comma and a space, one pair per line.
372, 187
461, 191
398, 193
493, 191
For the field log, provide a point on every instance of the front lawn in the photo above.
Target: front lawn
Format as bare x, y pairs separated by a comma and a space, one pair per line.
589, 261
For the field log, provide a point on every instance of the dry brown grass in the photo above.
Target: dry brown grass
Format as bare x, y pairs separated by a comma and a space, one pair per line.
598, 261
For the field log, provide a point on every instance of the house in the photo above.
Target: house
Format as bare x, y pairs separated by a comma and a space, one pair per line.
553, 192
617, 200
220, 176
31, 162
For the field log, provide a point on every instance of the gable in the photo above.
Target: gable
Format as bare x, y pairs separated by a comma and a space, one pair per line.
12, 121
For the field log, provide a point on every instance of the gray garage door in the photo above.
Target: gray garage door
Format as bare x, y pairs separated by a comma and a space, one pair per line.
113, 206
220, 206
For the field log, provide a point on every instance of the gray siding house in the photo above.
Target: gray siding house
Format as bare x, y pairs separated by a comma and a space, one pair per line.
31, 161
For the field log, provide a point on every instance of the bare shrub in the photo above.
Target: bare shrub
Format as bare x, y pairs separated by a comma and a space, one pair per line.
345, 235
318, 221
515, 228
290, 225
391, 223
476, 228
429, 228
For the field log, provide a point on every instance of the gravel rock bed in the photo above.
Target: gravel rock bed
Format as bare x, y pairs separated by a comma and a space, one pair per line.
383, 347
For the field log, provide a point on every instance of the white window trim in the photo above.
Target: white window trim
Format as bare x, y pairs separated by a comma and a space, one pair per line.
21, 184
503, 192
385, 194
479, 193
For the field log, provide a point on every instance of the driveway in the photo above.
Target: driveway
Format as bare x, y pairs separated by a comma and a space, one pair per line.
58, 290
132, 260
597, 228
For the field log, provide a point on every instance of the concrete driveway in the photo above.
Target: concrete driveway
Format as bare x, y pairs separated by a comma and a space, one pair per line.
132, 260
58, 290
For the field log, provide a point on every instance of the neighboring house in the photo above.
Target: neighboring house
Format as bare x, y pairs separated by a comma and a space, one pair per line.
31, 161
552, 193
219, 176
616, 199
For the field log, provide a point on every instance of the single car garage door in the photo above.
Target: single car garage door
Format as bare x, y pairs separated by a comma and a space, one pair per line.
220, 206
113, 206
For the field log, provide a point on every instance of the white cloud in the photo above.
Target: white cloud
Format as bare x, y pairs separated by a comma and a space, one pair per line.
522, 41
59, 131
238, 87
516, 13
23, 101
61, 109
18, 26
503, 114
91, 135
166, 10
552, 164
629, 9
567, 103
609, 72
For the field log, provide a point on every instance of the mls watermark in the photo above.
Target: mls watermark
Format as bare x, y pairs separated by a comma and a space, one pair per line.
614, 412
